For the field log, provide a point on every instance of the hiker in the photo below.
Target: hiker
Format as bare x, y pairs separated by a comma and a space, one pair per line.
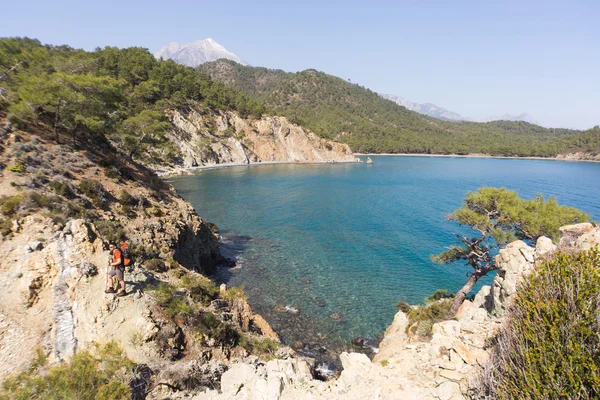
118, 269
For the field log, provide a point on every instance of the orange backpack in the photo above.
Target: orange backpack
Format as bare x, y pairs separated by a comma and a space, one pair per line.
126, 254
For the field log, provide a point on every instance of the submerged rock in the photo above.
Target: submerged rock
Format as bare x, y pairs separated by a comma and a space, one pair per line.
339, 317
318, 301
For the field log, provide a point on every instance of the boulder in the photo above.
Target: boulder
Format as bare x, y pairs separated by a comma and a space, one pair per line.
481, 298
354, 360
463, 351
237, 376
579, 236
514, 262
260, 324
451, 375
394, 339
465, 311
446, 328
544, 248
448, 391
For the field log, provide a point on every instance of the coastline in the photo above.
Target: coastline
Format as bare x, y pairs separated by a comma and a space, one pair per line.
478, 156
192, 170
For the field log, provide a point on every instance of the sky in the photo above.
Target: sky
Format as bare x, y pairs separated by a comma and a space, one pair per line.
477, 58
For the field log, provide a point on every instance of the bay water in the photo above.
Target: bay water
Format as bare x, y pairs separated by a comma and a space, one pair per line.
325, 251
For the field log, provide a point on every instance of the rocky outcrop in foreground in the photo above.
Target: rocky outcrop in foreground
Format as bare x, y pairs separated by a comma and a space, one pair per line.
445, 368
207, 138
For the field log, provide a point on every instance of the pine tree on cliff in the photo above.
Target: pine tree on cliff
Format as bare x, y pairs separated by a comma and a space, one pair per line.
499, 217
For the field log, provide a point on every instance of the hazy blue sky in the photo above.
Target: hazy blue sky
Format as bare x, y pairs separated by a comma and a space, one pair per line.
477, 58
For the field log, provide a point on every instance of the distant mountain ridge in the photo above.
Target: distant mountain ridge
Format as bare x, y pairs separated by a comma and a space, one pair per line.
435, 111
196, 53
428, 108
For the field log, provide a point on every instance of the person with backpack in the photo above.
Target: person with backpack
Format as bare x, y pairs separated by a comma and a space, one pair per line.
117, 261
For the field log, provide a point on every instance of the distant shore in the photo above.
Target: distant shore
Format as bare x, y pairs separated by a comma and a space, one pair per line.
191, 170
476, 156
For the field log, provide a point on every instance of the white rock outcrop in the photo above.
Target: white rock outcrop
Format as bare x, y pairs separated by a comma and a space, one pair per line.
206, 139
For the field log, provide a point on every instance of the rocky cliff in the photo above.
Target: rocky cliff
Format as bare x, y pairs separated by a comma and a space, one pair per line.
207, 138
445, 368
60, 205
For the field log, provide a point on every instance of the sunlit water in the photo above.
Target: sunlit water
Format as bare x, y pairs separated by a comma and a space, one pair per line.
343, 243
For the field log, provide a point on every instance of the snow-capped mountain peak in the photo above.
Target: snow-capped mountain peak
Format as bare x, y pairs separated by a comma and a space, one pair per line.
196, 53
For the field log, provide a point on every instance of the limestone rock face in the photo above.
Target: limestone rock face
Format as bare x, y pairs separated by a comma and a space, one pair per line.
50, 301
544, 248
277, 379
259, 323
514, 261
226, 138
580, 236
395, 337
195, 242
52, 288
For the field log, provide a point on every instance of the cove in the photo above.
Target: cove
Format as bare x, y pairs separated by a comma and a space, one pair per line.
343, 243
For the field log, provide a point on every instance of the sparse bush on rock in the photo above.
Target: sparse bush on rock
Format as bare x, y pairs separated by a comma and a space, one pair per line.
421, 318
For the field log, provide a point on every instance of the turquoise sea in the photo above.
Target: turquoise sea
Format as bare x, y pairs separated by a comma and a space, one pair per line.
343, 243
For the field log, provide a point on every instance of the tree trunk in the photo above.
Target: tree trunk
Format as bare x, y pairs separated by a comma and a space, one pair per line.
137, 146
56, 119
462, 293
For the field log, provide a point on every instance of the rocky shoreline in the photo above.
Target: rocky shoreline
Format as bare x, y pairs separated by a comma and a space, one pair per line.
179, 171
445, 368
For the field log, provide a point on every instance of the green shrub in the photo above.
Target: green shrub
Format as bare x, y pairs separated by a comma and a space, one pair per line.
143, 252
110, 231
404, 307
5, 227
208, 327
110, 173
258, 346
155, 265
201, 290
85, 376
170, 300
61, 188
125, 198
52, 203
18, 168
438, 295
92, 189
234, 293
9, 205
422, 318
550, 346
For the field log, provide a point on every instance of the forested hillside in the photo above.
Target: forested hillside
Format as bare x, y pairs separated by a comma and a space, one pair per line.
358, 116
110, 93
